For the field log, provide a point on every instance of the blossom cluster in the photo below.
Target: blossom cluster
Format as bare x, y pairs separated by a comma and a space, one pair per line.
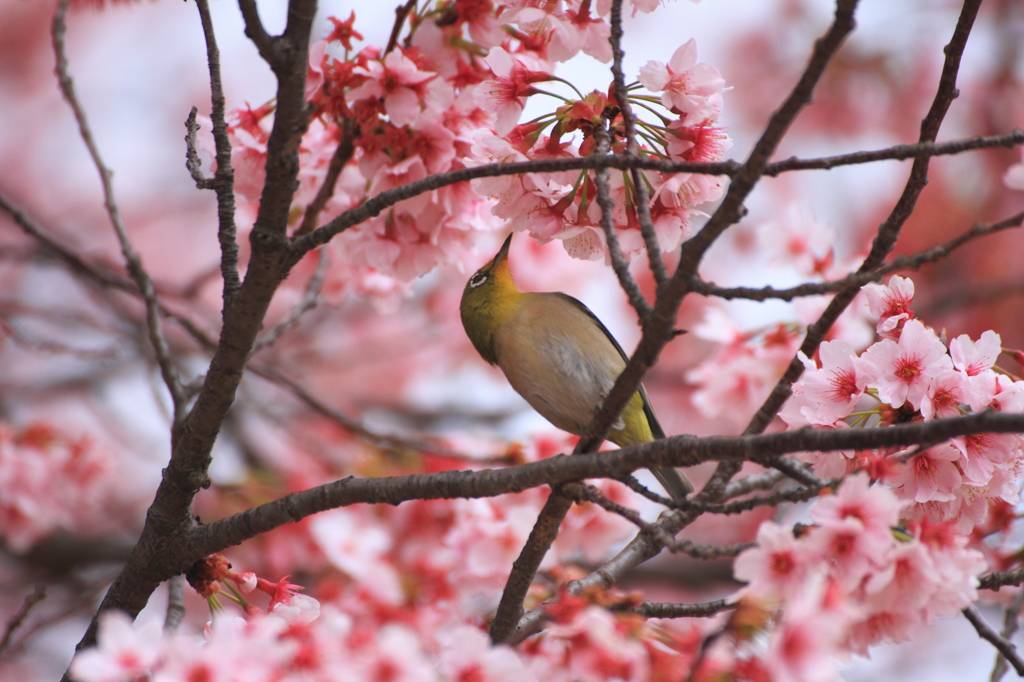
449, 96
50, 482
852, 579
404, 594
911, 374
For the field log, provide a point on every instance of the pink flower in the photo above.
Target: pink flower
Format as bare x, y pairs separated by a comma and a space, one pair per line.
930, 475
124, 651
800, 241
875, 506
804, 645
398, 81
593, 33
690, 88
891, 304
976, 359
983, 453
946, 391
506, 93
777, 567
906, 583
832, 391
902, 371
467, 654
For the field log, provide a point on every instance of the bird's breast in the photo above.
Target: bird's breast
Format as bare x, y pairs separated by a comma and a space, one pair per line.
559, 361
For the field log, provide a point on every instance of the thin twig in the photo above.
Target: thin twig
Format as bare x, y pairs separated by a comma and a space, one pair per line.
342, 155
192, 161
1011, 621
749, 484
898, 152
224, 178
859, 279
308, 302
18, 617
351, 425
401, 12
604, 200
643, 206
132, 260
373, 206
985, 631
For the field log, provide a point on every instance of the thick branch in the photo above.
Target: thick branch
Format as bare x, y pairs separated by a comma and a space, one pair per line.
674, 451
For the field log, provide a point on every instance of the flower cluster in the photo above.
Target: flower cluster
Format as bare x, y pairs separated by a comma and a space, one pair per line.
564, 205
852, 579
910, 374
50, 482
449, 97
404, 594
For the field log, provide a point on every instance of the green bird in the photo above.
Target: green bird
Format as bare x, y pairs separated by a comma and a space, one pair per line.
558, 356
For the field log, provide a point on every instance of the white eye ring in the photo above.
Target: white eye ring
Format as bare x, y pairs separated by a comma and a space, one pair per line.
477, 279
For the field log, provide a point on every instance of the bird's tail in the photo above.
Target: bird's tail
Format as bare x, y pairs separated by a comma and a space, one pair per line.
674, 482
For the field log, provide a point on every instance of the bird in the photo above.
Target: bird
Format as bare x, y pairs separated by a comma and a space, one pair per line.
558, 356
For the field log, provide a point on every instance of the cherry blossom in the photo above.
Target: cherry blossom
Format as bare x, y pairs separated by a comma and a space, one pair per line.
901, 372
506, 93
124, 651
399, 82
777, 567
692, 89
929, 476
890, 303
830, 393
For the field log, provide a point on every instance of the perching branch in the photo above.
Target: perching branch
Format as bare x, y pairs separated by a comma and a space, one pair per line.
682, 451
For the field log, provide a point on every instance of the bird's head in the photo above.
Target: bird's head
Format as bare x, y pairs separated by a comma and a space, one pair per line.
489, 296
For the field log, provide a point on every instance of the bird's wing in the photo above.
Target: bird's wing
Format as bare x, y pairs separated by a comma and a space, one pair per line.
652, 420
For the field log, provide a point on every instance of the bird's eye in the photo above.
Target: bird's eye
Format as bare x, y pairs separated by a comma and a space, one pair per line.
477, 279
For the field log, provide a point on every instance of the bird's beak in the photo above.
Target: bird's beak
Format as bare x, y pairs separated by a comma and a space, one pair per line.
503, 253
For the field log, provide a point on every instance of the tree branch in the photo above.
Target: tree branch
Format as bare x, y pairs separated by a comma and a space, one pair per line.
342, 155
859, 279
224, 177
985, 631
643, 206
673, 451
373, 206
132, 261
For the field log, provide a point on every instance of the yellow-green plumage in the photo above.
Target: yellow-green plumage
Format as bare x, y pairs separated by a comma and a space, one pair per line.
558, 356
